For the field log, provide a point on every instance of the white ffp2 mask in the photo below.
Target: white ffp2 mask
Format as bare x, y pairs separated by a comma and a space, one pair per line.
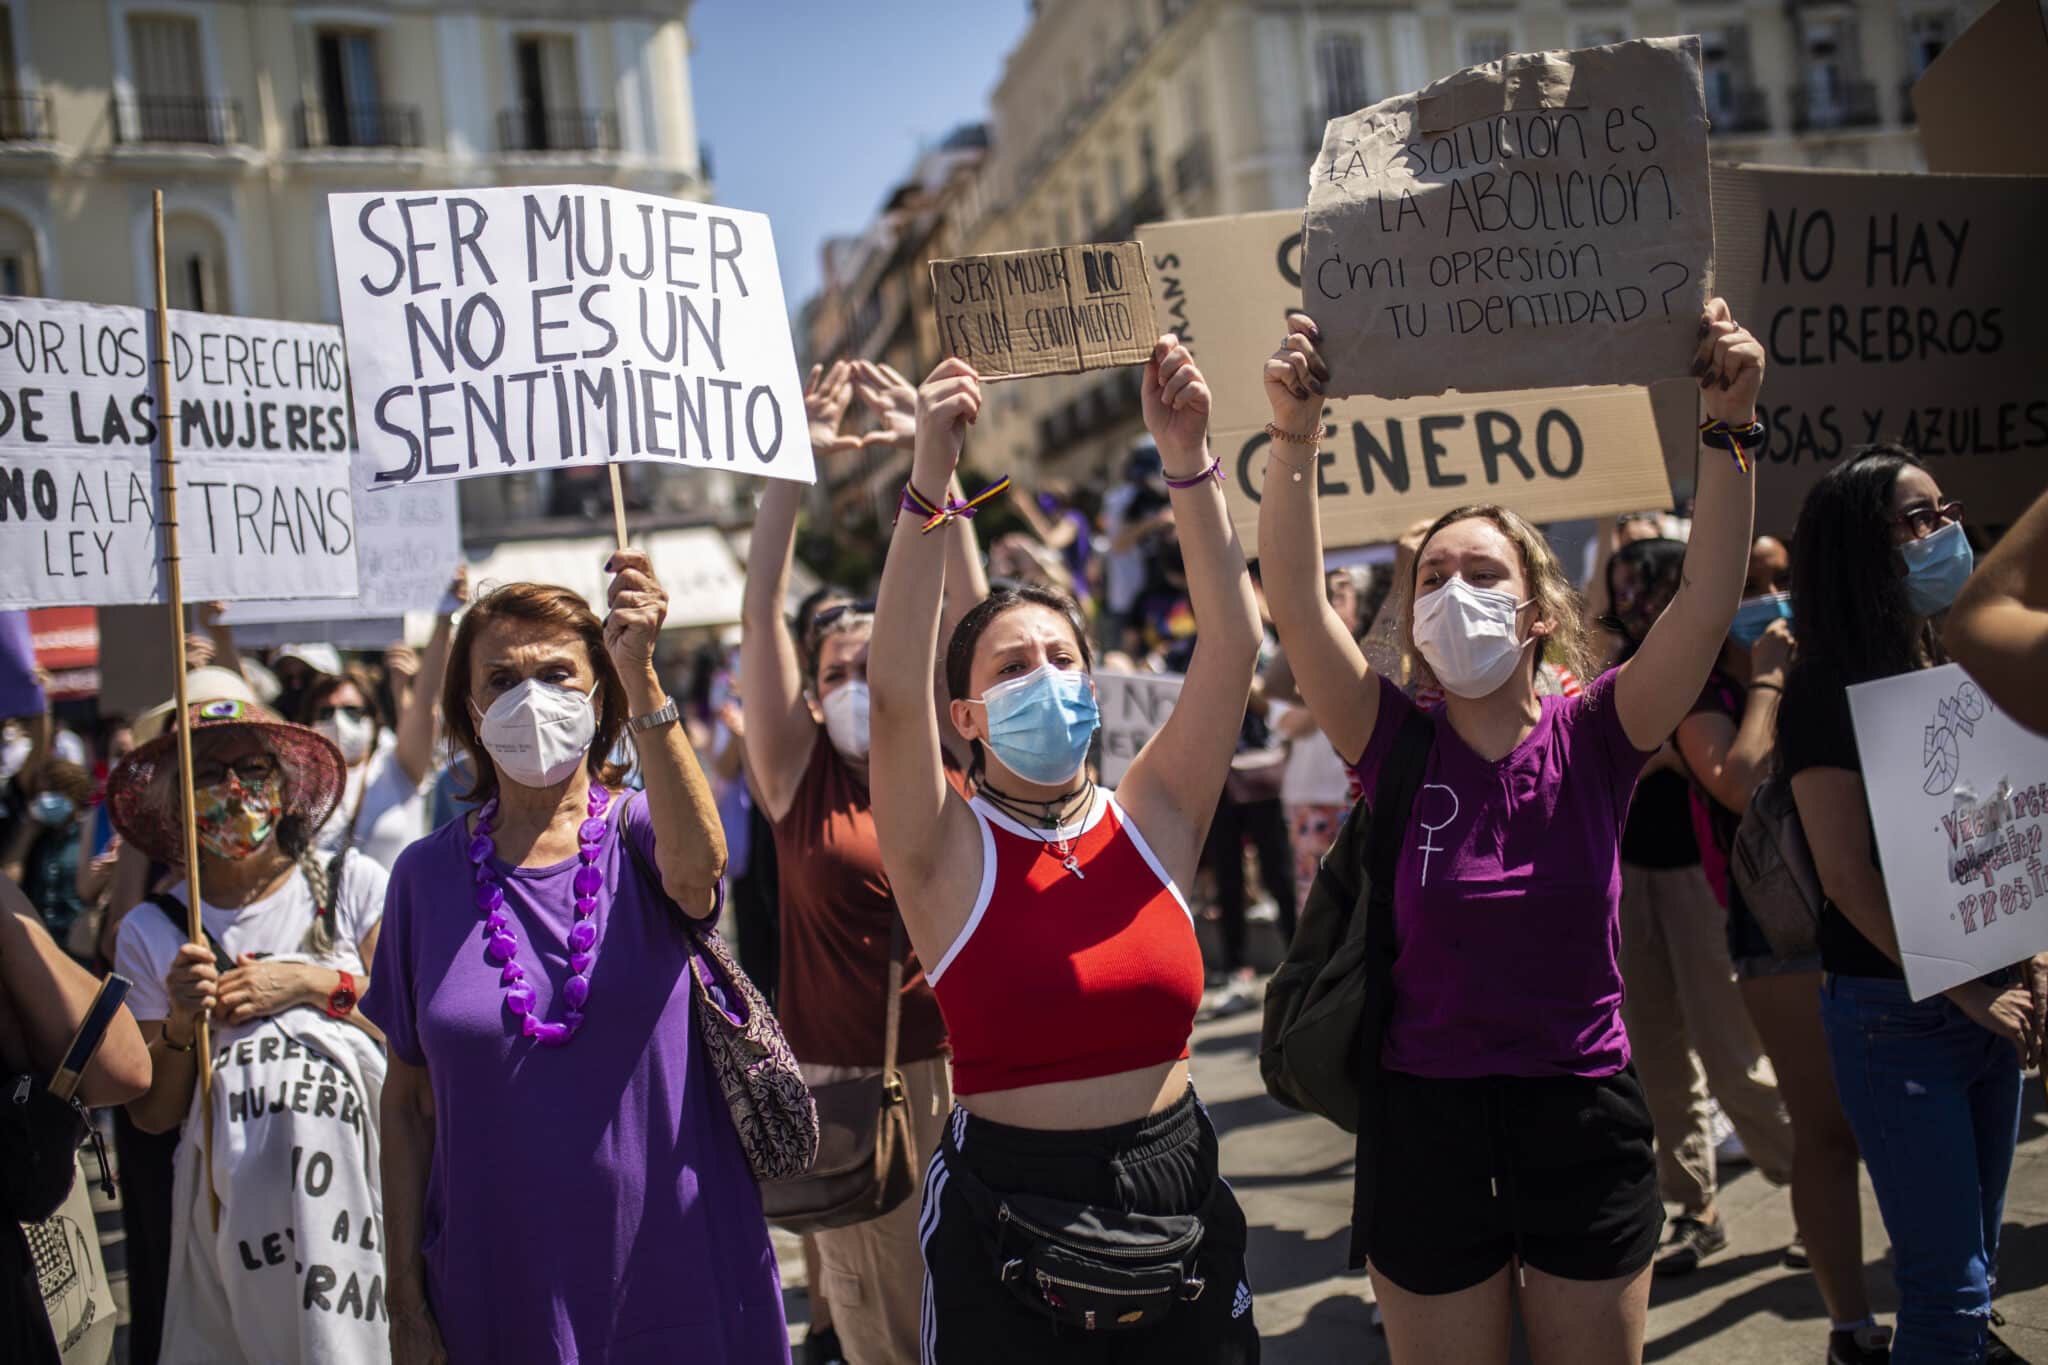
846, 718
538, 732
1468, 637
351, 734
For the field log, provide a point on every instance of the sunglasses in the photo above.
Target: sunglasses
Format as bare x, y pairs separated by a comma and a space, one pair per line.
250, 772
355, 713
1924, 519
864, 607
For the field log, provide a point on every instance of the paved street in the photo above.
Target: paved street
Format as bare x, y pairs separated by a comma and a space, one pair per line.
1742, 1308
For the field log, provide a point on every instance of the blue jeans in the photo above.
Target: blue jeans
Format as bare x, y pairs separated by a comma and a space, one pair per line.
1934, 1100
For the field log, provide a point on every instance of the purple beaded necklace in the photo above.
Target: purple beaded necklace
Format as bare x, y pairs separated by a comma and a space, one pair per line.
503, 948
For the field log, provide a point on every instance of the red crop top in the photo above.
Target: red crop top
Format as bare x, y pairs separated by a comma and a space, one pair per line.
1063, 977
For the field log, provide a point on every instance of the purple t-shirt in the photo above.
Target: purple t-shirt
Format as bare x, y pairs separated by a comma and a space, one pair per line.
1506, 896
586, 1203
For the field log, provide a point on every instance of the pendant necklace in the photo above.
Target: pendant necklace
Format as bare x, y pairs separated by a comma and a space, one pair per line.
1054, 815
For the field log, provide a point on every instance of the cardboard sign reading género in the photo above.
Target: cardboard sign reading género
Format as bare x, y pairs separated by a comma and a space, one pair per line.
1893, 307
262, 433
499, 330
1958, 796
1536, 221
1225, 286
1056, 310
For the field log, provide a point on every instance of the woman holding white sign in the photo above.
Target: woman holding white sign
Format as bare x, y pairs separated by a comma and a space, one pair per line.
1932, 1088
1513, 1137
1076, 1189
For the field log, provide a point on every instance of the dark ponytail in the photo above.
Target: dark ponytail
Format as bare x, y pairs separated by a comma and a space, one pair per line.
967, 636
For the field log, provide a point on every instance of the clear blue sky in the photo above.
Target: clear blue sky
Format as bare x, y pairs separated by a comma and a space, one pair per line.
814, 110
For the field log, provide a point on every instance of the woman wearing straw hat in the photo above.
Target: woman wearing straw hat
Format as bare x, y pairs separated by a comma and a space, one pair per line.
292, 1137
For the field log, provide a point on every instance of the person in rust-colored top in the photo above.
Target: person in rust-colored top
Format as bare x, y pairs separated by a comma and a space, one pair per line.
806, 707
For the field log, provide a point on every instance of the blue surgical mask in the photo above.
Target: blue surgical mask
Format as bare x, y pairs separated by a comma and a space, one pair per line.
1040, 725
1755, 615
51, 808
1937, 566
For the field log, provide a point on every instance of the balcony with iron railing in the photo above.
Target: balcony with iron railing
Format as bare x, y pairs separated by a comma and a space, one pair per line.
190, 120
535, 129
1848, 104
25, 118
328, 126
1744, 109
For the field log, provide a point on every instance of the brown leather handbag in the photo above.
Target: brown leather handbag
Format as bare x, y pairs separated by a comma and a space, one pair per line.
867, 1148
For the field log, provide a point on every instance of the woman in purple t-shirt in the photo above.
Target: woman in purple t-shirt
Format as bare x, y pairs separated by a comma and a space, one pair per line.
562, 1180
1514, 1133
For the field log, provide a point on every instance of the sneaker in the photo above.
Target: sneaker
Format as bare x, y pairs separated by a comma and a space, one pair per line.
1262, 911
1795, 1257
822, 1348
1730, 1151
1996, 1352
1692, 1241
1860, 1346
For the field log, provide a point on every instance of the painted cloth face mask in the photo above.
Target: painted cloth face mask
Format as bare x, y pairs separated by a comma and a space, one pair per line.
846, 718
1755, 615
1467, 635
351, 734
538, 732
1040, 725
1936, 568
236, 820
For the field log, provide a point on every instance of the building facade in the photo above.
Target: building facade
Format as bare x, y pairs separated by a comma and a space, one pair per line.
249, 113
1111, 113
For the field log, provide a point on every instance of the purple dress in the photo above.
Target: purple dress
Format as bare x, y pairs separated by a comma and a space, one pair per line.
586, 1203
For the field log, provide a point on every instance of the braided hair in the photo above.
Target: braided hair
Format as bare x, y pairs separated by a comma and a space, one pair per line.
295, 840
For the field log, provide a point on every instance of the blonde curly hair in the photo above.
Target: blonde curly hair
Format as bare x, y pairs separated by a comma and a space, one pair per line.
1569, 644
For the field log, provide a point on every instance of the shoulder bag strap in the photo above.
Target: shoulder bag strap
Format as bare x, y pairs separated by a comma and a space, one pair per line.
892, 1028
173, 910
1394, 798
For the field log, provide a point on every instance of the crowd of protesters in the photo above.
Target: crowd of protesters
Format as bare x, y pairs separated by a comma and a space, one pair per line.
464, 896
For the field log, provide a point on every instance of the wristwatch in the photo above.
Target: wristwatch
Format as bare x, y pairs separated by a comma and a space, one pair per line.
654, 718
341, 1001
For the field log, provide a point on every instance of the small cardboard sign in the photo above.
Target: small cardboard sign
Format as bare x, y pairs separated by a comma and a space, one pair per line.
1133, 706
494, 331
1532, 222
1225, 286
1892, 307
1055, 310
1982, 103
1958, 795
263, 438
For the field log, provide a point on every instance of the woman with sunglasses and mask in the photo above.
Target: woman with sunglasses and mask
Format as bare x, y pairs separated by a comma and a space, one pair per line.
1063, 951
1932, 1088
808, 755
297, 1068
1514, 1140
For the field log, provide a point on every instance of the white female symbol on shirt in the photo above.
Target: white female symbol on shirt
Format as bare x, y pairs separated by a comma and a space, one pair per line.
1429, 844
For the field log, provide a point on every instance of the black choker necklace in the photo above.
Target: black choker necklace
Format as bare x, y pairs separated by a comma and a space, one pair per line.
1061, 810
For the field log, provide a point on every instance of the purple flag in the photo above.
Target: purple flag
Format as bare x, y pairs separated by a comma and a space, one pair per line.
20, 693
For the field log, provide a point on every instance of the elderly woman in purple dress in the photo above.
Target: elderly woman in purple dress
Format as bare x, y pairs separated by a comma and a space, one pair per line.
562, 1180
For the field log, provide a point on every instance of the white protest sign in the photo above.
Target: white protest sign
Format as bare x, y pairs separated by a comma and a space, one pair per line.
1133, 706
500, 330
1958, 795
408, 546
1528, 223
262, 435
695, 564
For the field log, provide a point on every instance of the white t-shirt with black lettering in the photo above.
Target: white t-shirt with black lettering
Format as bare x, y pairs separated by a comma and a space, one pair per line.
148, 941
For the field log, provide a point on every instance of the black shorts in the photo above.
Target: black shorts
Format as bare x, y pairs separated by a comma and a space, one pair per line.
1559, 1172
1164, 1165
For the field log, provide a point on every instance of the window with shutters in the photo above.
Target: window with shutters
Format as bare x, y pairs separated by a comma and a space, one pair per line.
548, 113
351, 108
1340, 75
195, 264
20, 274
1484, 45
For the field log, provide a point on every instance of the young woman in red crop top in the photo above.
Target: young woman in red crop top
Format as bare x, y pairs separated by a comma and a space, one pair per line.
1074, 1204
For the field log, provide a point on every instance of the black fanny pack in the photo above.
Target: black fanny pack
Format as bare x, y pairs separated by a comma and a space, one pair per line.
1101, 1270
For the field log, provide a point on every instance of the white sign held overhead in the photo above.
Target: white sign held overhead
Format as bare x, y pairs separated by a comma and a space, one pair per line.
502, 330
409, 545
1959, 797
262, 433
1133, 706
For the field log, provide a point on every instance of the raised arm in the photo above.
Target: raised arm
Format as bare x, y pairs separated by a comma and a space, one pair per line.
226, 654
1998, 627
1731, 758
1172, 785
689, 841
415, 733
1329, 668
1658, 685
780, 727
48, 995
919, 818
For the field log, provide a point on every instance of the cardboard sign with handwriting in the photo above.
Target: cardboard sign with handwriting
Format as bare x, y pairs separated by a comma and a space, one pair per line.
1909, 308
1056, 310
1981, 105
1225, 286
1536, 221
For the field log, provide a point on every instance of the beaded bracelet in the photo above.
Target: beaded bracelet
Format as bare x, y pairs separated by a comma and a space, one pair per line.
1280, 433
936, 515
1213, 472
1733, 439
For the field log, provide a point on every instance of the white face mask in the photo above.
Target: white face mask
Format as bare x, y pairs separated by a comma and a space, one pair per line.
351, 735
846, 718
538, 732
1467, 635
